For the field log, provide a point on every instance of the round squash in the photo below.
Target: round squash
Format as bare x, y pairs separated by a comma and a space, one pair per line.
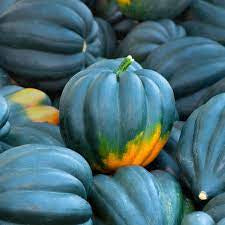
139, 197
191, 65
44, 43
201, 149
107, 37
116, 114
41, 184
203, 21
152, 9
198, 218
147, 36
221, 222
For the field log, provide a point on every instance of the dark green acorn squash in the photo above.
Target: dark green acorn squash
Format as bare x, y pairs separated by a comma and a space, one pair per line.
44, 43
4, 116
206, 19
116, 114
152, 9
4, 78
44, 185
191, 65
33, 133
147, 36
135, 196
216, 207
201, 149
221, 222
107, 37
198, 218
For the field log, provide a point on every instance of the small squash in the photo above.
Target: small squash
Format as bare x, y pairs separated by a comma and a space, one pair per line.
117, 114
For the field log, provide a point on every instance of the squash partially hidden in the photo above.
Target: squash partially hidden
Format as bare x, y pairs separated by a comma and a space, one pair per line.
135, 196
198, 218
201, 149
117, 114
152, 9
4, 116
44, 185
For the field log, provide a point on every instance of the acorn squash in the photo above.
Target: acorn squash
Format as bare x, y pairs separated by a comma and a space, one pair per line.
139, 197
117, 114
44, 185
4, 116
206, 19
191, 65
201, 149
44, 43
147, 36
198, 218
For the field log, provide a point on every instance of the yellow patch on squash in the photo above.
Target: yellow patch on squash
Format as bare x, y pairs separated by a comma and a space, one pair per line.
139, 151
43, 114
28, 97
124, 2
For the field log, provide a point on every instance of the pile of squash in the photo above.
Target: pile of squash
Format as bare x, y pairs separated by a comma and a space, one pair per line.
112, 112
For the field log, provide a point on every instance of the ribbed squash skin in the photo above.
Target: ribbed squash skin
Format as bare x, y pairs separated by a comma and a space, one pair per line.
4, 116
201, 149
152, 9
216, 207
33, 133
198, 218
191, 65
29, 105
107, 37
139, 197
111, 121
54, 40
147, 36
203, 21
41, 184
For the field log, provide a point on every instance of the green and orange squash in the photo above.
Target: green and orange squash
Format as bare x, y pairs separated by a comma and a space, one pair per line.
29, 104
117, 114
152, 9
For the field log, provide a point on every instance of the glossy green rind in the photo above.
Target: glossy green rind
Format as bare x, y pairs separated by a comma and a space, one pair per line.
201, 149
54, 40
111, 121
139, 197
191, 65
42, 184
147, 36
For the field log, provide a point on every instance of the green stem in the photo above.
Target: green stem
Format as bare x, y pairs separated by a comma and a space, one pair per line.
124, 65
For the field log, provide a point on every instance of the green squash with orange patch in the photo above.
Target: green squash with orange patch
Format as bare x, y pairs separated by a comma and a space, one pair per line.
152, 9
115, 113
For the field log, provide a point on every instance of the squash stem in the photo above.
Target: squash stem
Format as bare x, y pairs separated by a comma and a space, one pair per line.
124, 65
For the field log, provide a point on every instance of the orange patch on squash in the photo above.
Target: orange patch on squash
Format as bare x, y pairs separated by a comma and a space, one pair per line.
43, 114
140, 151
28, 97
124, 2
